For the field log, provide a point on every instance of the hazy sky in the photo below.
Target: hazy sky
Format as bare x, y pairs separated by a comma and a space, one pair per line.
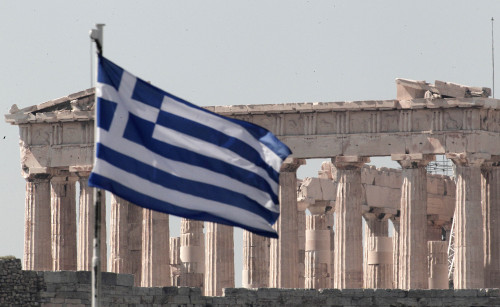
233, 52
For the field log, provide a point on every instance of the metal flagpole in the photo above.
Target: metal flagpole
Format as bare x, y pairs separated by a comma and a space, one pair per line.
96, 35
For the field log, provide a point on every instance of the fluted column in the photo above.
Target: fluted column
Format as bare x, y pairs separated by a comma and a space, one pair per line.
301, 238
348, 272
490, 188
192, 254
378, 254
134, 220
438, 264
255, 261
317, 249
175, 261
219, 258
283, 271
63, 221
395, 253
155, 249
37, 231
86, 220
118, 242
412, 231
469, 245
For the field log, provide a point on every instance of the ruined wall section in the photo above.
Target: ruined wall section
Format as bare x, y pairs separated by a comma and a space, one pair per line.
70, 288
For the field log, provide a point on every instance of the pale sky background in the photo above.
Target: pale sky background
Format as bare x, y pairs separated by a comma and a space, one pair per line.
233, 52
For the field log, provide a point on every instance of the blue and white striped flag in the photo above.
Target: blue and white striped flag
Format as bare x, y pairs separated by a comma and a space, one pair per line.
163, 153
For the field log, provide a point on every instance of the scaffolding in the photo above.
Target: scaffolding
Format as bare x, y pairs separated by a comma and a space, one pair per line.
441, 166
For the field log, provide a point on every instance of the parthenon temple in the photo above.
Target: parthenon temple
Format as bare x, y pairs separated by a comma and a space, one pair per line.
414, 223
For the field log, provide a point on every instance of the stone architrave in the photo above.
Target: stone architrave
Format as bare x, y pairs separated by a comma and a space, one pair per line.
469, 233
283, 272
412, 232
134, 220
192, 254
86, 220
395, 253
491, 220
438, 264
255, 260
63, 222
119, 259
219, 258
348, 272
37, 230
175, 260
378, 254
155, 249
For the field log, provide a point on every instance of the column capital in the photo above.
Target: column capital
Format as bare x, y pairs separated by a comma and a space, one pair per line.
468, 159
349, 162
490, 163
37, 177
416, 160
291, 164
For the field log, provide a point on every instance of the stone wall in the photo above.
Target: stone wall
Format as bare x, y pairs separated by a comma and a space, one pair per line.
70, 288
18, 288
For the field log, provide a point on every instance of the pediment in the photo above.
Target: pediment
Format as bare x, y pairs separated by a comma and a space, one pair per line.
74, 107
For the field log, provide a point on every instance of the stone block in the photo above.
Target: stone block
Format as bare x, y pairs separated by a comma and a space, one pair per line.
466, 292
108, 278
84, 277
125, 280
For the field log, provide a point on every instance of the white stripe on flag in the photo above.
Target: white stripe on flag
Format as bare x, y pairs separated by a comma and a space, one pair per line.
180, 199
184, 170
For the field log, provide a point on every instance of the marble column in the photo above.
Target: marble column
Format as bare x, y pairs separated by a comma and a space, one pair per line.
413, 228
219, 258
395, 253
192, 254
491, 221
438, 264
283, 272
469, 233
37, 231
317, 249
378, 254
86, 221
301, 237
175, 260
134, 238
155, 249
63, 223
348, 272
255, 261
119, 259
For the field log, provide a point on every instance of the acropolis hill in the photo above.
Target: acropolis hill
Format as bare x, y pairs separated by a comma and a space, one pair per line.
320, 243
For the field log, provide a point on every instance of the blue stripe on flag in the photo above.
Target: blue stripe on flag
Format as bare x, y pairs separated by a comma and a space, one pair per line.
170, 181
214, 136
109, 73
155, 204
143, 136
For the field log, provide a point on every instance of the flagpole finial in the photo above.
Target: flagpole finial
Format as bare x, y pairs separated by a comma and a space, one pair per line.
97, 36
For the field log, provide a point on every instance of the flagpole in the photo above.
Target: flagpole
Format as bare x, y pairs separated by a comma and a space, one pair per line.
96, 35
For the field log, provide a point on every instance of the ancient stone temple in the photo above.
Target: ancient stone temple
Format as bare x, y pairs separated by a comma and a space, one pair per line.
407, 214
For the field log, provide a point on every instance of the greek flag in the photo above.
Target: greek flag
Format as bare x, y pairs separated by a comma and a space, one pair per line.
164, 153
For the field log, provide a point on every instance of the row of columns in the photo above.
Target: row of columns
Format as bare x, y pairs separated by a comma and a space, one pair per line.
140, 237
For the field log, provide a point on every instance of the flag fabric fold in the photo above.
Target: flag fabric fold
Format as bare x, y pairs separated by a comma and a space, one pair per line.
166, 154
